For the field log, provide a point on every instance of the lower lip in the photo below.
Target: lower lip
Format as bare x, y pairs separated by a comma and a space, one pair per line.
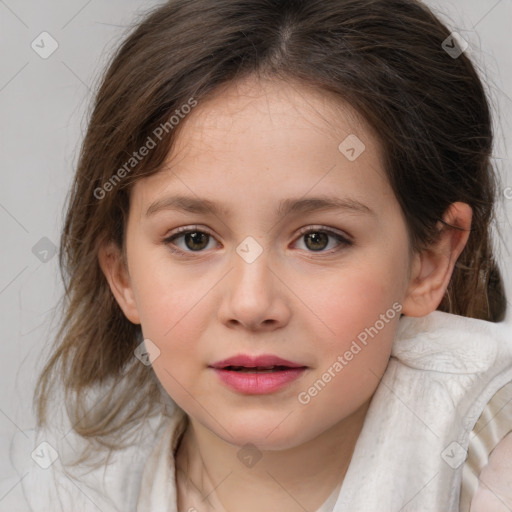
254, 383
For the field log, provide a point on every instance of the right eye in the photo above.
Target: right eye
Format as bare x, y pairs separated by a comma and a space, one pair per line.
194, 239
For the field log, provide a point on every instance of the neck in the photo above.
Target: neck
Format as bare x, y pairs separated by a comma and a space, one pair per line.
211, 477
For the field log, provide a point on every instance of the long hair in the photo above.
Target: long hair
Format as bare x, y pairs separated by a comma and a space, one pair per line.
384, 57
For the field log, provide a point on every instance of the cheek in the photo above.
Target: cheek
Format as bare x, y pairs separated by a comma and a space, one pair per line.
173, 317
354, 299
360, 310
352, 362
164, 292
171, 308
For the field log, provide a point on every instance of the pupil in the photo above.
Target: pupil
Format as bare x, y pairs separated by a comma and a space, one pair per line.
315, 238
195, 239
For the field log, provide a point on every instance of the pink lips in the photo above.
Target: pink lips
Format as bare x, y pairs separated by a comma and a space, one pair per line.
254, 375
254, 361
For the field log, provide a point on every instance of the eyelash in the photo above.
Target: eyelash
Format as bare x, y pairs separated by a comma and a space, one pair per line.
343, 240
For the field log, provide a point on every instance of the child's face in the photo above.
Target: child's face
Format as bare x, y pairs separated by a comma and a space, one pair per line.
304, 298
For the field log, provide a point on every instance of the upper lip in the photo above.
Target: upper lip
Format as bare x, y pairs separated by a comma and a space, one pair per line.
249, 361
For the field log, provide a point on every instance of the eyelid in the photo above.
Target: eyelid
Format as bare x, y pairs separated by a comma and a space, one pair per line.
343, 238
331, 231
186, 229
304, 230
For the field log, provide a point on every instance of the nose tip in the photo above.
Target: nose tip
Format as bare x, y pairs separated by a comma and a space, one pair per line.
252, 298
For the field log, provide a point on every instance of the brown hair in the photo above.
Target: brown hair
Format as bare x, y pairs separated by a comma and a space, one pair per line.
384, 57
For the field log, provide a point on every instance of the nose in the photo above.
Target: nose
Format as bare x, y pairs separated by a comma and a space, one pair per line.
254, 296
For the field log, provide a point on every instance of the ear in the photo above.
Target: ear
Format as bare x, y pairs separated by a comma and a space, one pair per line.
114, 267
432, 268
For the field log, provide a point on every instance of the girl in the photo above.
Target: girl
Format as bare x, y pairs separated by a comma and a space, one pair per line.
280, 286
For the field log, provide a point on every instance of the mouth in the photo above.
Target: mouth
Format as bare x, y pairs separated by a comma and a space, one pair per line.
257, 374
258, 380
259, 369
256, 363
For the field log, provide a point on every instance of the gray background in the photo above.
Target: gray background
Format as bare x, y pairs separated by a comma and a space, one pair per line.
42, 107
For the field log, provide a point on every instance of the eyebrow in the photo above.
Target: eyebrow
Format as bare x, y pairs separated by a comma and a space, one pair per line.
285, 207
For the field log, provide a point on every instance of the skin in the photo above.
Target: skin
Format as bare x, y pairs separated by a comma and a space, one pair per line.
251, 145
494, 493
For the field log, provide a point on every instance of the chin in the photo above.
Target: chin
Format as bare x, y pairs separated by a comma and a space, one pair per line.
270, 433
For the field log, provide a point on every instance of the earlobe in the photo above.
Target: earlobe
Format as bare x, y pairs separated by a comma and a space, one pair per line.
116, 272
432, 268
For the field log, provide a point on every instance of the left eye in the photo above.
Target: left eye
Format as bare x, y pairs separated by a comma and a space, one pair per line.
317, 239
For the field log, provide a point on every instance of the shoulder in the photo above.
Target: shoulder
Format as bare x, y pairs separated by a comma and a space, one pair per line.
466, 363
453, 343
494, 492
49, 480
487, 473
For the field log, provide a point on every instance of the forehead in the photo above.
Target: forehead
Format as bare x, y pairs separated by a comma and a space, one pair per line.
270, 106
259, 137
